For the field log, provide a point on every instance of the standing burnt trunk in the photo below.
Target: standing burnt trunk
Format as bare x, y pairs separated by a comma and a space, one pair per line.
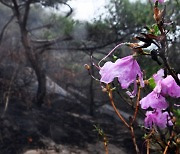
41, 91
33, 57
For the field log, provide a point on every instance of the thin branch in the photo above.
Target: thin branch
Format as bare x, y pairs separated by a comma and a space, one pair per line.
167, 65
54, 41
148, 141
148, 146
9, 91
134, 140
26, 13
6, 4
168, 143
106, 144
51, 42
16, 10
4, 28
41, 27
109, 90
70, 11
137, 106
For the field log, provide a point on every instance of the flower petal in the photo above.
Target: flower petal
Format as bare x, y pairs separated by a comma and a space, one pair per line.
159, 75
170, 87
134, 92
106, 72
126, 70
166, 86
154, 101
129, 70
158, 118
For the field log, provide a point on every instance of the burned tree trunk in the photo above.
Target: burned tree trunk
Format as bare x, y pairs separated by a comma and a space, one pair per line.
36, 64
91, 89
41, 91
32, 56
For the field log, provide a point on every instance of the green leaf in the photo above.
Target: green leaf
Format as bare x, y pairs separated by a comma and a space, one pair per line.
152, 83
177, 115
114, 58
156, 29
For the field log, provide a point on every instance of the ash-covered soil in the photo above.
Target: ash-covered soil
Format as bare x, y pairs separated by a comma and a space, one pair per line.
61, 127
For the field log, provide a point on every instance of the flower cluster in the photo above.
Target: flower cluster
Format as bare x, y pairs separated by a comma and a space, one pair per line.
161, 113
127, 71
156, 100
158, 118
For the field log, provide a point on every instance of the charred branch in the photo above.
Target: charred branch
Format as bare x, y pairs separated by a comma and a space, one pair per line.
4, 28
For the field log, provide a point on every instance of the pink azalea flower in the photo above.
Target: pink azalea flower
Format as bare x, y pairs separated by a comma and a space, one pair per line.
157, 118
159, 75
170, 87
160, 1
166, 86
154, 101
125, 69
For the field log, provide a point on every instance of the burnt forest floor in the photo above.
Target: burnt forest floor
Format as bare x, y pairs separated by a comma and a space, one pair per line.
63, 127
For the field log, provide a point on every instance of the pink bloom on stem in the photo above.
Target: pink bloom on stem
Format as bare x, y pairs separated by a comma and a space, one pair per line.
157, 118
154, 101
170, 87
125, 69
160, 1
166, 86
159, 75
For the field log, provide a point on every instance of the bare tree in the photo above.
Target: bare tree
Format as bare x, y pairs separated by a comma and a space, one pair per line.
20, 11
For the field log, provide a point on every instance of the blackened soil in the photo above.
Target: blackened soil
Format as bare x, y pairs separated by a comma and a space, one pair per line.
60, 126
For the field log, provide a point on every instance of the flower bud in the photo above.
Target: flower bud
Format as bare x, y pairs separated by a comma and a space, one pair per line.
86, 66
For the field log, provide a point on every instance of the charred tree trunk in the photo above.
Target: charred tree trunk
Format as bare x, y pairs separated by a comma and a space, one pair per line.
34, 58
36, 64
41, 91
91, 93
91, 90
